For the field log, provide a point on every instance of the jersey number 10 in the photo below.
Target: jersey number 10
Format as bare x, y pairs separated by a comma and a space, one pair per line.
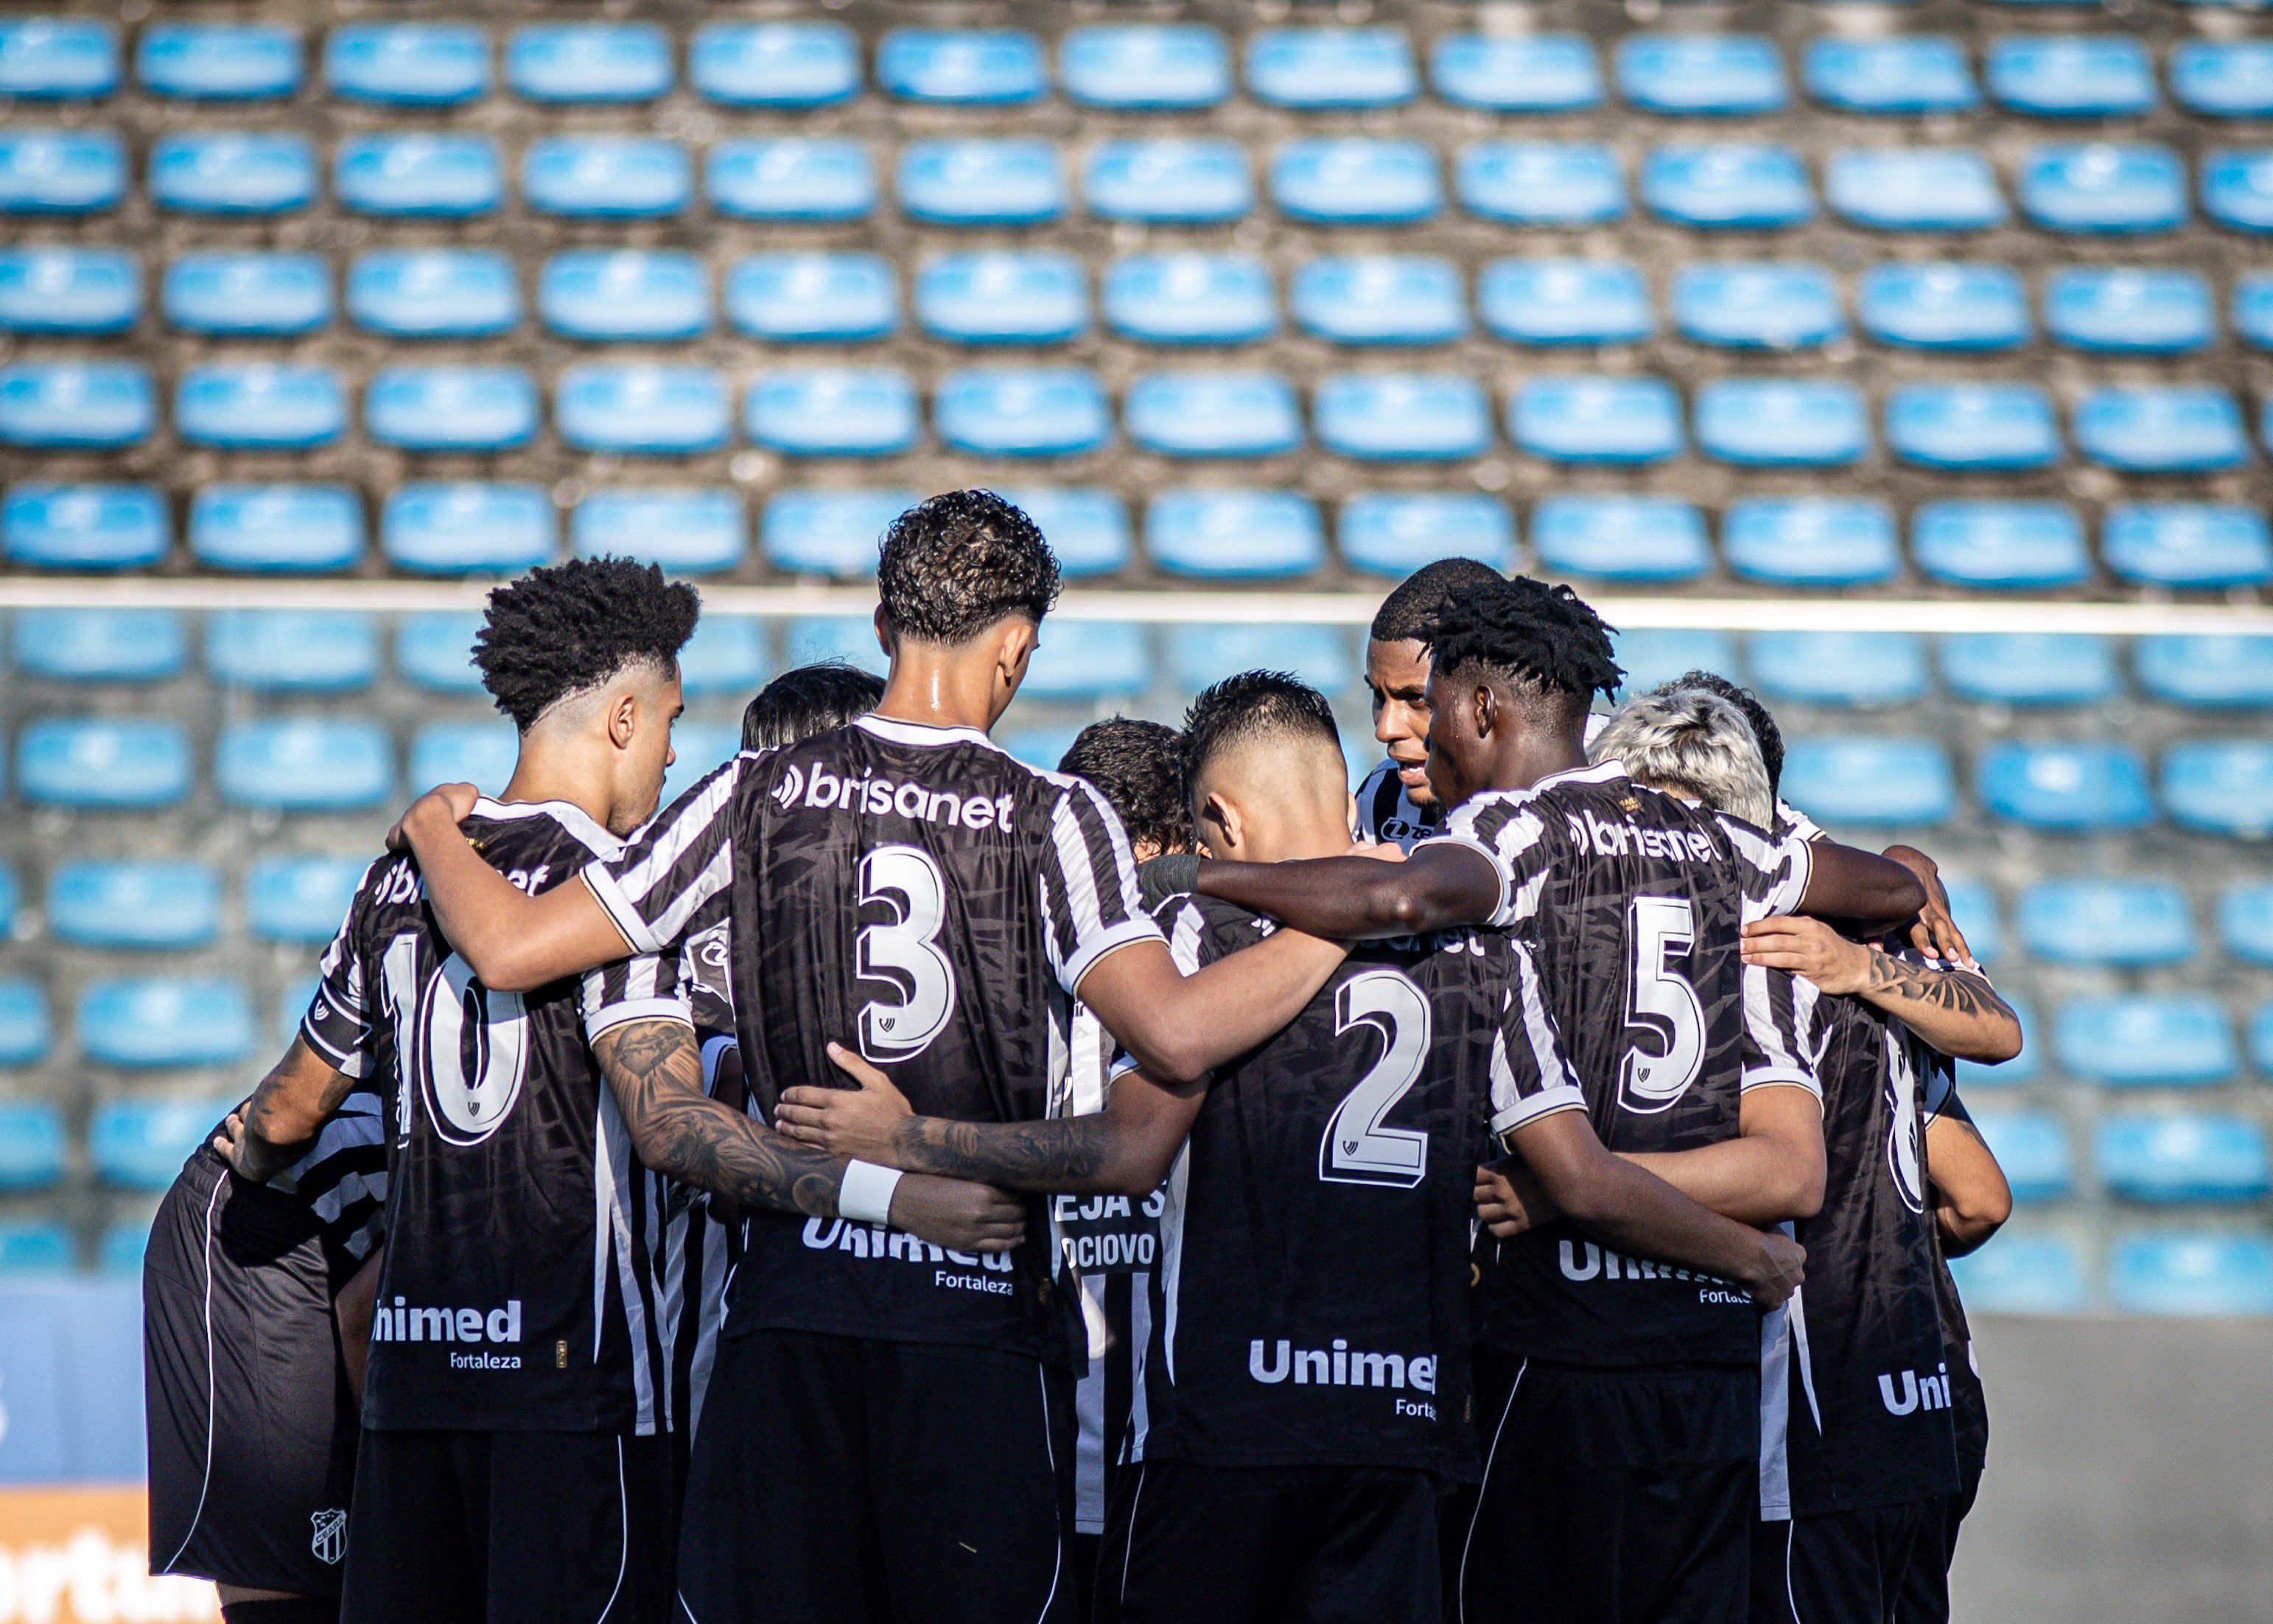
463, 1047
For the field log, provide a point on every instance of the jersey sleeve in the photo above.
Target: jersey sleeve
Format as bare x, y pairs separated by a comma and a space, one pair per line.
1530, 1078
1778, 1045
673, 875
1513, 836
1790, 817
1772, 869
1184, 922
644, 986
1091, 901
338, 1021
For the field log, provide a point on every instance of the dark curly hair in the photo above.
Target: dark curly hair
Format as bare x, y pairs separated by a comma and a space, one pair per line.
1539, 639
1248, 706
954, 564
1137, 767
812, 699
1413, 603
1765, 730
563, 628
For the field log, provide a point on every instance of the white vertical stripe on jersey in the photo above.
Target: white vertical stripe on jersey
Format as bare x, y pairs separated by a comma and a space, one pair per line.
1172, 1252
614, 1170
1079, 874
1140, 1339
716, 877
1089, 1422
1775, 1415
1538, 1026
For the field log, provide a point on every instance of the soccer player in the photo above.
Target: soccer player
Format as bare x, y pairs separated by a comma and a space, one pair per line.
1395, 803
812, 699
1306, 1381
881, 1435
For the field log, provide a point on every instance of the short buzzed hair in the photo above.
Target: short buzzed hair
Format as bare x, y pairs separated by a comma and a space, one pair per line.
1252, 705
1409, 613
1691, 743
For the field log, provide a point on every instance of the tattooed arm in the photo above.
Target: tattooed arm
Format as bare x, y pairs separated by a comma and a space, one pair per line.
271, 1130
1956, 1011
654, 1071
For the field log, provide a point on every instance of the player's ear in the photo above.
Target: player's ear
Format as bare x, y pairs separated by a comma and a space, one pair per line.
1224, 816
884, 638
623, 719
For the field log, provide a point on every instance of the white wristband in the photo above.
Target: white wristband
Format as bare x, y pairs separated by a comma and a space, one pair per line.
866, 1195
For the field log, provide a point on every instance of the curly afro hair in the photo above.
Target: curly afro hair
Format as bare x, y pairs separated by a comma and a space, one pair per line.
1250, 705
565, 628
812, 699
1137, 767
1538, 638
953, 566
1410, 611
1770, 737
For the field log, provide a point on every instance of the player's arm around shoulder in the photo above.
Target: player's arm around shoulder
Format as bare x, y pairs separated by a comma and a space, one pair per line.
1441, 885
1952, 1007
271, 1130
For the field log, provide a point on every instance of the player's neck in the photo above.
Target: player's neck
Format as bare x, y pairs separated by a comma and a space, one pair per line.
1529, 757
933, 687
549, 772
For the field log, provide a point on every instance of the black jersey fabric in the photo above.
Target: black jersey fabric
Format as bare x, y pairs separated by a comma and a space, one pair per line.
1968, 1400
520, 1291
918, 893
1386, 811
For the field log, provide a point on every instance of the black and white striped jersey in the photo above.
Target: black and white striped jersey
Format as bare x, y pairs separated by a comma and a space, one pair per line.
521, 1283
343, 1180
1969, 1399
920, 895
1628, 903
1386, 810
704, 1238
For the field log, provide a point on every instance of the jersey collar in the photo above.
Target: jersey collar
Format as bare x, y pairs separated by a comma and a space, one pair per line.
921, 734
570, 816
1601, 772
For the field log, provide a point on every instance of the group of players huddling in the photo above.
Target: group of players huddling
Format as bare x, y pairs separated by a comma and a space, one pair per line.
896, 1185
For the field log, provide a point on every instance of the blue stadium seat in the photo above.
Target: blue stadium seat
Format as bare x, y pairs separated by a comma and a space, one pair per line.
1727, 183
850, 638
1943, 306
2253, 310
60, 171
2223, 78
2208, 1272
467, 527
2187, 543
1757, 305
1621, 538
2161, 428
1912, 189
2222, 786
451, 408
2105, 187
265, 295
1782, 422
437, 176
973, 182
606, 177
1190, 298
2022, 1068
2244, 922
102, 762
310, 650
1181, 179
993, 67
31, 1144
1088, 528
1564, 301
218, 62
2260, 1038
2150, 1039
433, 292
82, 526
141, 1144
2029, 668
2132, 311
1811, 540
11, 896
52, 58
34, 1249
166, 1021
1655, 654
261, 405
789, 65
1540, 183
1039, 747
832, 412
1402, 416
1196, 655
1212, 414
300, 898
1239, 534
480, 753
135, 903
1709, 73
1999, 544
119, 1253
2071, 76
2237, 188
71, 405
1021, 412
1395, 533
1316, 69
726, 654
2107, 921
588, 62
1003, 296
1596, 420
642, 408
625, 293
305, 764
813, 296
1974, 908
688, 531
830, 533
2069, 788
1516, 72
435, 650
24, 1034
1380, 299
2194, 1156
1356, 180
2032, 1147
100, 645
1901, 73
52, 289
299, 993
1859, 779
791, 177
2208, 670
232, 172
1145, 65
1972, 425
2024, 1275
1090, 660
294, 527
408, 65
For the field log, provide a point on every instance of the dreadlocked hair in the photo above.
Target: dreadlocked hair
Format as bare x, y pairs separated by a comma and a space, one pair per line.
563, 630
1410, 611
1136, 766
1764, 731
1250, 705
954, 564
1537, 637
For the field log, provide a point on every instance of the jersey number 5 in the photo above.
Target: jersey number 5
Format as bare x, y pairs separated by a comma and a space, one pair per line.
463, 1047
903, 950
1356, 1149
1661, 999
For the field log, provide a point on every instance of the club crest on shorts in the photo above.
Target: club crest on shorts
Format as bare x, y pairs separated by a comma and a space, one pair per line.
329, 1540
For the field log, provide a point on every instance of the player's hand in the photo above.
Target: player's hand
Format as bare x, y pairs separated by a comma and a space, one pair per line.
857, 1122
1933, 932
453, 801
958, 1215
230, 1143
1510, 1201
1809, 948
1780, 1267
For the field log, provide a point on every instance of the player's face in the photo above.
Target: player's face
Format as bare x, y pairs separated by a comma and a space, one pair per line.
1398, 674
1459, 760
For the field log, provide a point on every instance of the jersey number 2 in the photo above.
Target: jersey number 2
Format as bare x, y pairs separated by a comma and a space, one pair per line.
905, 951
1356, 1149
462, 1046
1661, 999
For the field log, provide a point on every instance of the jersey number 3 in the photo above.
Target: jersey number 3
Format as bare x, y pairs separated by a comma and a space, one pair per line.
905, 951
1661, 999
461, 1045
1356, 1149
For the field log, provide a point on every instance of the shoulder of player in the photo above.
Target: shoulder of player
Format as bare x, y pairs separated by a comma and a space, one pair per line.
539, 843
1188, 917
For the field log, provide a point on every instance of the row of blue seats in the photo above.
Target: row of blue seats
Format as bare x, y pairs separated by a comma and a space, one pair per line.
2142, 1156
1042, 296
2149, 1271
1138, 66
2133, 1041
2092, 187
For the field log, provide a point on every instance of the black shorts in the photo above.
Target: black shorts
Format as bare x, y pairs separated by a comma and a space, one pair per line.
1925, 1582
1269, 1544
1841, 1567
251, 1429
1609, 1496
510, 1528
842, 1480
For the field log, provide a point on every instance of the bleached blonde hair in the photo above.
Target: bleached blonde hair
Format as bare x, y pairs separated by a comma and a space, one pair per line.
1692, 744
